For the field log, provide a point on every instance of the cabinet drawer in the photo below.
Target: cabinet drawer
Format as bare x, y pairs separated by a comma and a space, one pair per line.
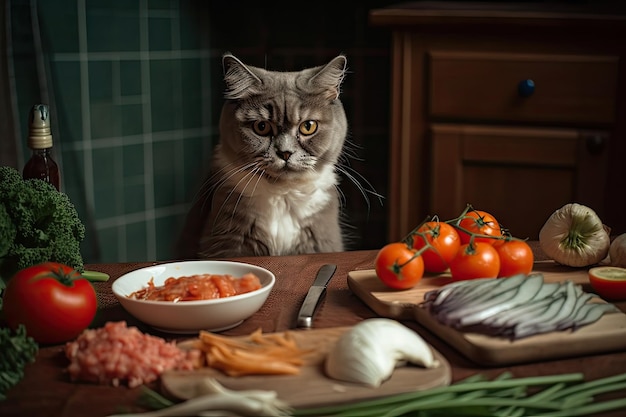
484, 86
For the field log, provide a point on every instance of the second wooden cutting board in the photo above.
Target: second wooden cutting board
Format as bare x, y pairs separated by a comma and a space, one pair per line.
312, 388
607, 334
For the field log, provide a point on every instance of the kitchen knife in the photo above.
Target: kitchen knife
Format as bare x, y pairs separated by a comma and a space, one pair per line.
315, 294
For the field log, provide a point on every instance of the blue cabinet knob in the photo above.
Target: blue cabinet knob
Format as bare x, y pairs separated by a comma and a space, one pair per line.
526, 88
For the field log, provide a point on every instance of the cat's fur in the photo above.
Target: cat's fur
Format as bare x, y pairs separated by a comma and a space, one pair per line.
275, 194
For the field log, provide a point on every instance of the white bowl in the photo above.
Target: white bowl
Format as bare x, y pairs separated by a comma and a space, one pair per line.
192, 316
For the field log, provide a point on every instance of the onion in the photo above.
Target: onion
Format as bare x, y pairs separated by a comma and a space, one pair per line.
369, 352
575, 236
617, 251
524, 307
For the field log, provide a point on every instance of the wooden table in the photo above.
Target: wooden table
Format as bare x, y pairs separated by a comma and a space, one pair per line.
46, 390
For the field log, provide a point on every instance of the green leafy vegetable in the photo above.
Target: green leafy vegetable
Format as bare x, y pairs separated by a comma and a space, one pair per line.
37, 224
17, 349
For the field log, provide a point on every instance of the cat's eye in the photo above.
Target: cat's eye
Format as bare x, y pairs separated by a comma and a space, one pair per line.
262, 128
308, 127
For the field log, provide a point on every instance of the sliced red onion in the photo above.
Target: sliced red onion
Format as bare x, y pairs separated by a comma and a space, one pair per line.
514, 307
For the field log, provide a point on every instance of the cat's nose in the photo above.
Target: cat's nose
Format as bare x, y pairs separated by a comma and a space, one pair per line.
285, 154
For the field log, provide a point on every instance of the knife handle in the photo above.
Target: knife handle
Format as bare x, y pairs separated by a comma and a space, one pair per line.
312, 300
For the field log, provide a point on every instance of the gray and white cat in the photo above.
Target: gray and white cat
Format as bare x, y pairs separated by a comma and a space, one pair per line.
273, 188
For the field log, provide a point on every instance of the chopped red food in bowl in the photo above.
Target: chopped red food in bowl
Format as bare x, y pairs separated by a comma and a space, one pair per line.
186, 297
198, 287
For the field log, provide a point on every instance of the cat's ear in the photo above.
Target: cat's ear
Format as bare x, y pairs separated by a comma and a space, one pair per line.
330, 77
240, 81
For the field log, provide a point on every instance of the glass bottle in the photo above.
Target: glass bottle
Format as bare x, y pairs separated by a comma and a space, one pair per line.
41, 165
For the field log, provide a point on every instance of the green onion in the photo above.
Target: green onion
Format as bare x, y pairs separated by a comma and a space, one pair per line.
95, 276
153, 400
563, 395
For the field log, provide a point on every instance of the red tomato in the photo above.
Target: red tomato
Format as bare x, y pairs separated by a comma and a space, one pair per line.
478, 260
399, 266
53, 301
516, 257
445, 243
479, 222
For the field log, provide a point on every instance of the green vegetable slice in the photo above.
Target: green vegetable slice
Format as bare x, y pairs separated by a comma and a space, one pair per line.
95, 276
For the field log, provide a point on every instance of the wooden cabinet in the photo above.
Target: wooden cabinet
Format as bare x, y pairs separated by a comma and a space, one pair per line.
516, 109
519, 174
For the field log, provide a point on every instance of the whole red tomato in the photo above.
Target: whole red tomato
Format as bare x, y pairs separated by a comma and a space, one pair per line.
399, 266
444, 241
516, 257
476, 260
53, 301
479, 222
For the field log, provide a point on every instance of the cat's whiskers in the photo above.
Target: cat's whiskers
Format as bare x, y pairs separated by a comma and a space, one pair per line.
343, 166
342, 196
350, 151
354, 178
250, 176
220, 177
231, 170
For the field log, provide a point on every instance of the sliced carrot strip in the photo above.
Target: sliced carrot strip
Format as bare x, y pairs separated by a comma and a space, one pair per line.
238, 363
256, 354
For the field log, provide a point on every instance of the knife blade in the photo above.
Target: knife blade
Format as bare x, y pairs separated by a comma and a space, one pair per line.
315, 294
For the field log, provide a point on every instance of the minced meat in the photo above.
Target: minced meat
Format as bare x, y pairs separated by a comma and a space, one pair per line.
116, 354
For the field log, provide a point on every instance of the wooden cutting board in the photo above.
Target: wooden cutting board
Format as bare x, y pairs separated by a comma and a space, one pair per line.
607, 334
311, 388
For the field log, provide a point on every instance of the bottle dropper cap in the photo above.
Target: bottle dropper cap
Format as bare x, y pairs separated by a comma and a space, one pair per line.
39, 135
